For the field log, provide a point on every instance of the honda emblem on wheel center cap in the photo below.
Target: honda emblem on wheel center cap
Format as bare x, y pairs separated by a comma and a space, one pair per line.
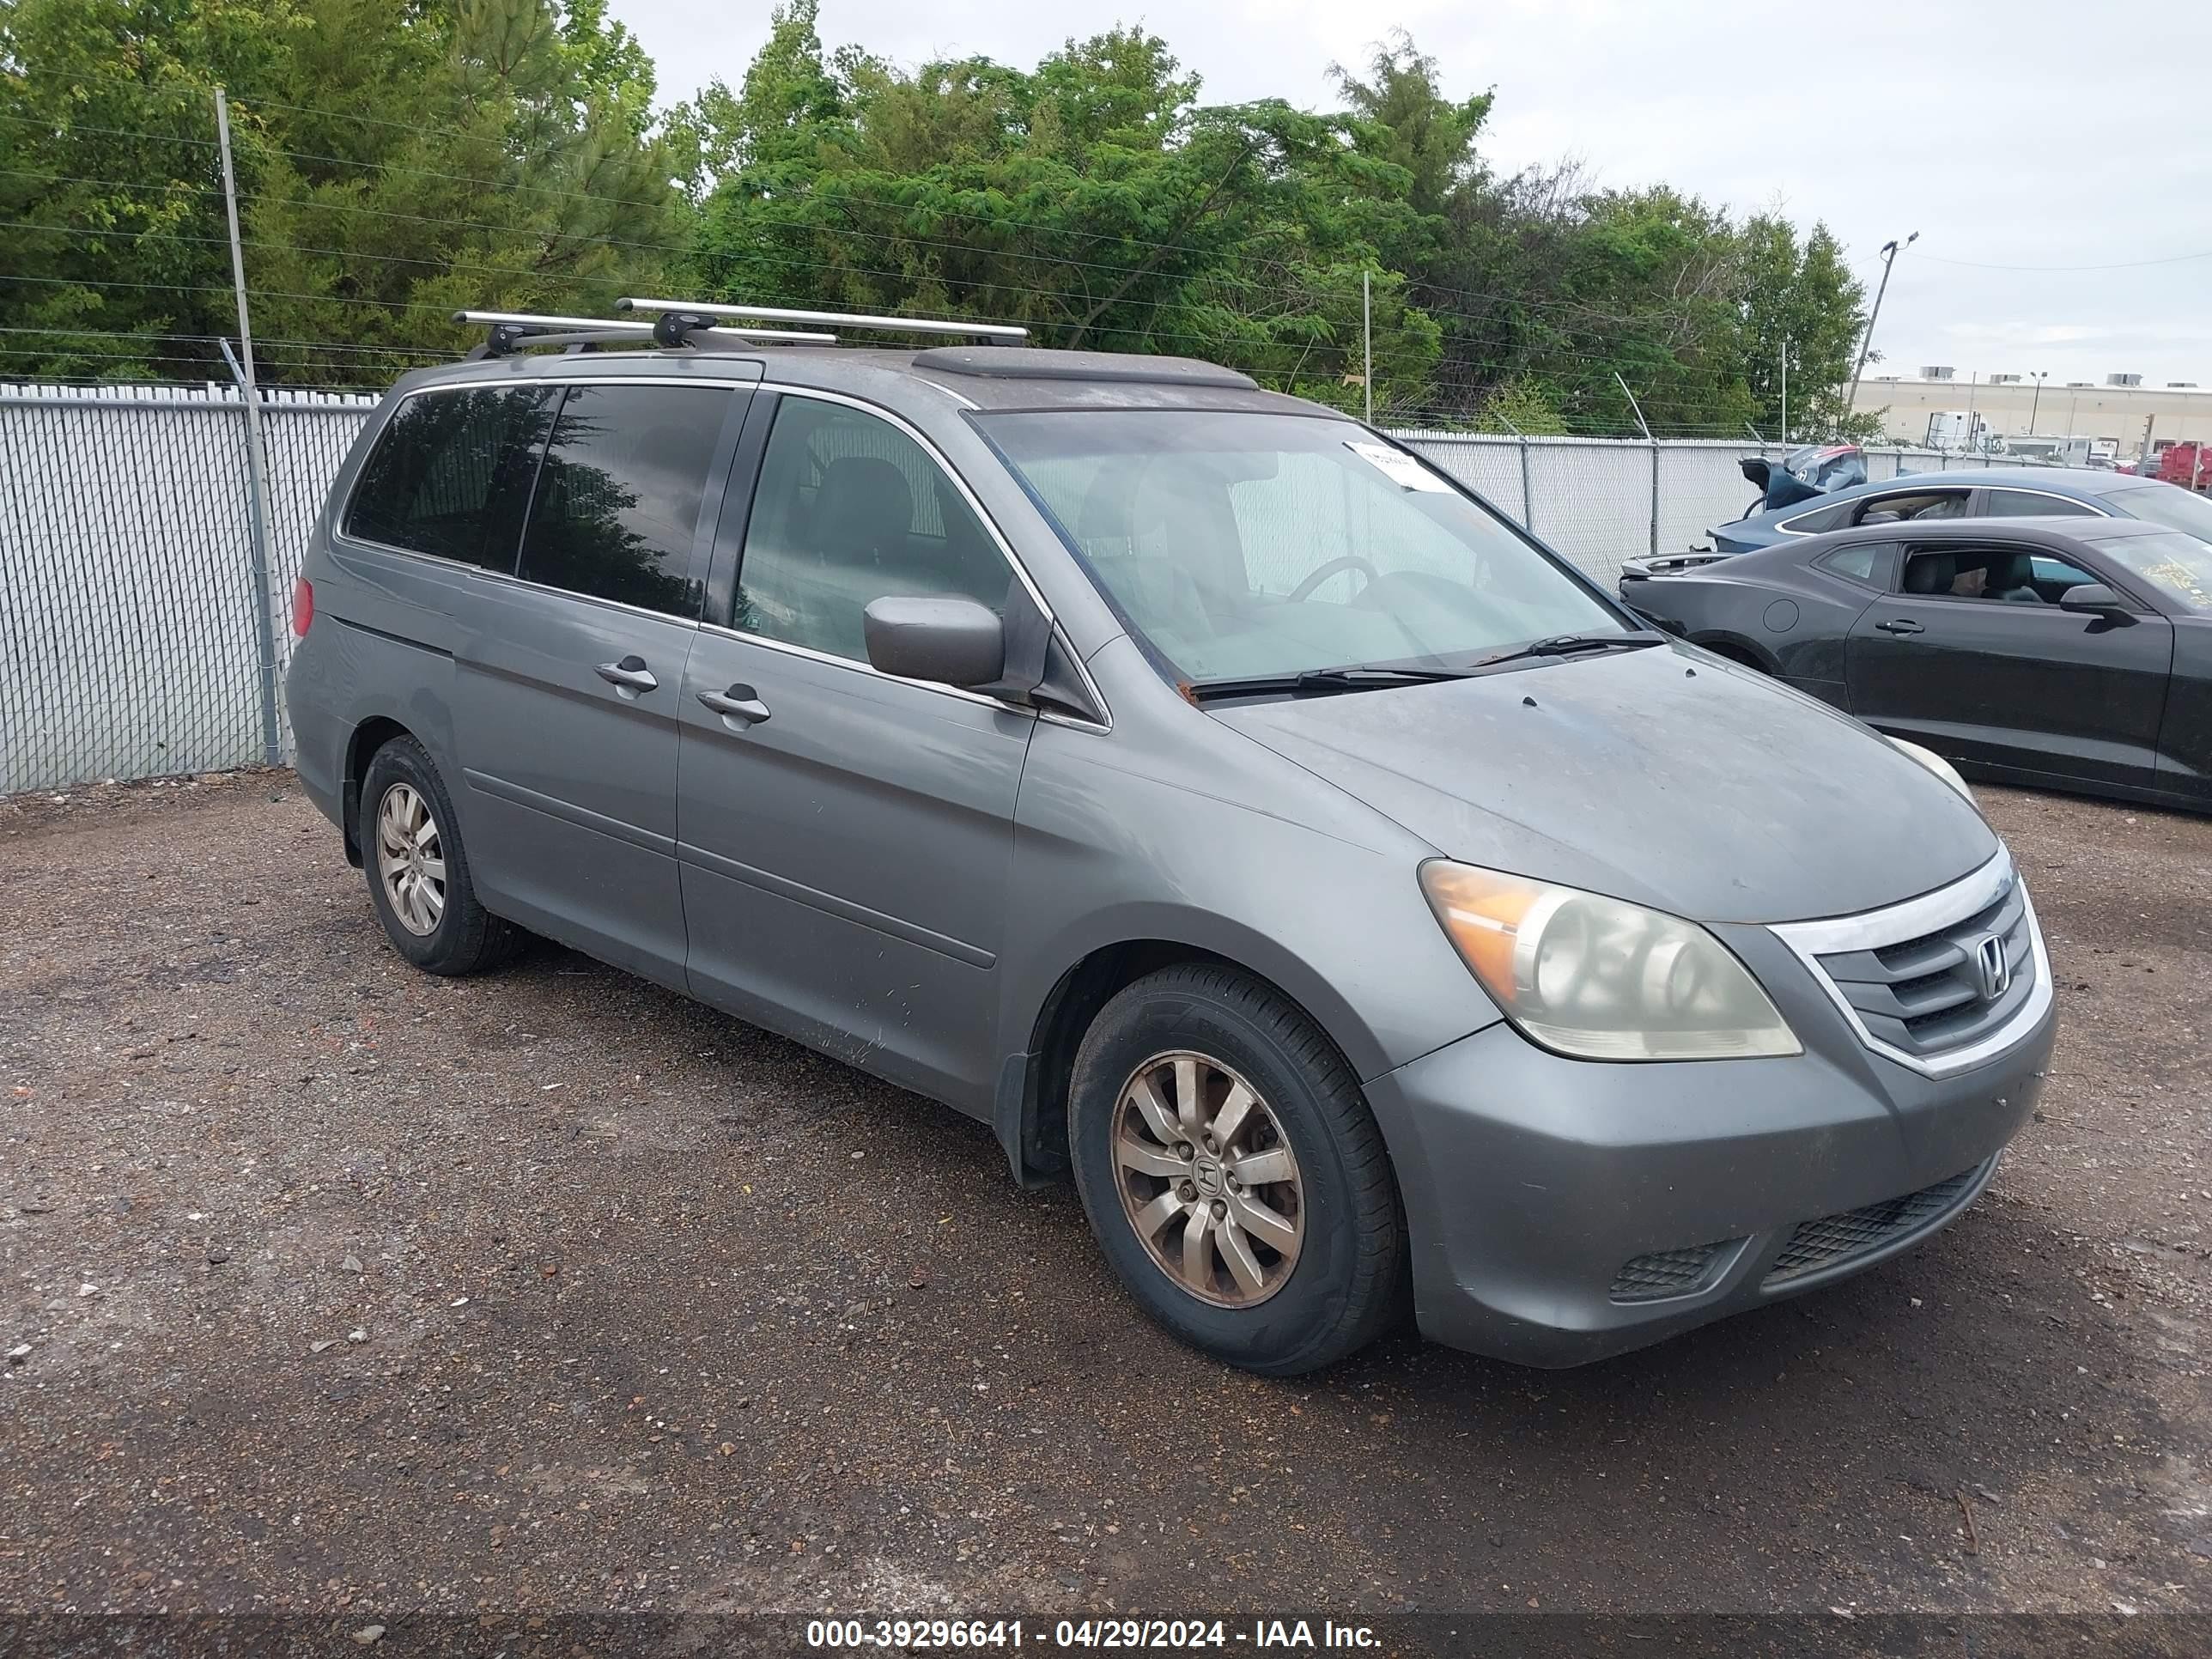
1207, 1174
1992, 967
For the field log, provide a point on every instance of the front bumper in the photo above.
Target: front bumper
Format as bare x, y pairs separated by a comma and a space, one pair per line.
1562, 1211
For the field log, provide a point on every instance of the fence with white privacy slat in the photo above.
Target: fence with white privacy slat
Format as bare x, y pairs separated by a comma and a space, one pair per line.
128, 644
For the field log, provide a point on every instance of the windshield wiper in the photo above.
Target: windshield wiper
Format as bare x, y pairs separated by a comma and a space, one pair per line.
1568, 645
1356, 677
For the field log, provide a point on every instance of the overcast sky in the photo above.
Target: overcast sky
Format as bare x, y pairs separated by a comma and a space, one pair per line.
2037, 133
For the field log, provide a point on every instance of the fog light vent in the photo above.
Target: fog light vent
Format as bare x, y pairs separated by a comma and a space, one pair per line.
1663, 1274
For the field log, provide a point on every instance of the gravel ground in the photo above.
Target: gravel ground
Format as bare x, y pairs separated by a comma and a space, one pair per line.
335, 1287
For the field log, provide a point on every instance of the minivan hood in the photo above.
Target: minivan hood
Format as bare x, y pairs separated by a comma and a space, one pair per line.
1663, 776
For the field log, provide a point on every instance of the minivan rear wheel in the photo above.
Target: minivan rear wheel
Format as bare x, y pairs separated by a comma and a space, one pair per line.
1233, 1174
418, 871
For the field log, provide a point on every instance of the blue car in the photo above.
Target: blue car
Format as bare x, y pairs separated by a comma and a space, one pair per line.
1971, 493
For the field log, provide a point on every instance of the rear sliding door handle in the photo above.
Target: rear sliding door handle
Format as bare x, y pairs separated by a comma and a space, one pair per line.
630, 674
738, 703
1901, 625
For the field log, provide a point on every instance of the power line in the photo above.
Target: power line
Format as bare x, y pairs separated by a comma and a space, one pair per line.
2122, 264
66, 127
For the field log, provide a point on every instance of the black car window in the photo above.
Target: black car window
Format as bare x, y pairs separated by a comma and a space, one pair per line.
850, 510
2029, 504
1993, 574
1860, 563
616, 514
1908, 506
1821, 518
450, 475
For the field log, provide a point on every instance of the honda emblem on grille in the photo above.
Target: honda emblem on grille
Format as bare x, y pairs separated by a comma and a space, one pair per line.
1991, 966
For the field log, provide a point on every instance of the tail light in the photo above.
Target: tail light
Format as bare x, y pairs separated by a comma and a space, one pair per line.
303, 606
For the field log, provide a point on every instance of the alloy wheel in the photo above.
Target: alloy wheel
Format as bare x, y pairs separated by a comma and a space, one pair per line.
410, 859
1208, 1179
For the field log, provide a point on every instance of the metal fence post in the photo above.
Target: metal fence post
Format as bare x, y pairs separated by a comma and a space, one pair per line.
1654, 442
257, 456
1528, 494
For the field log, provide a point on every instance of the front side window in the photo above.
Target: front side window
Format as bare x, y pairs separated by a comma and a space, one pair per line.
2026, 504
850, 510
1242, 544
451, 473
616, 515
2005, 575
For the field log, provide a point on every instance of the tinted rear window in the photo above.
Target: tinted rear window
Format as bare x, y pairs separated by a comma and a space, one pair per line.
617, 507
451, 475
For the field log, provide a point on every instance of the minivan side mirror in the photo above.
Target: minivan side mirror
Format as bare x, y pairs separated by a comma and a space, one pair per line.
946, 640
2094, 599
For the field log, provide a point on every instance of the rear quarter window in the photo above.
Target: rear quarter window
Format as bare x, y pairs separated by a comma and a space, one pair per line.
1861, 563
1820, 519
451, 474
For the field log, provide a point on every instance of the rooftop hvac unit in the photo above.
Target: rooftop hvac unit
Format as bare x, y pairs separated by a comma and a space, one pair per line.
1938, 371
2004, 380
2181, 385
2124, 380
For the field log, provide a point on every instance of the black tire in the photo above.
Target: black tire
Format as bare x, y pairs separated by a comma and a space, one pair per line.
465, 938
1346, 1283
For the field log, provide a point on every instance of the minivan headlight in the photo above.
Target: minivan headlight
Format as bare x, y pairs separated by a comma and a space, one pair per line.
1600, 979
1936, 764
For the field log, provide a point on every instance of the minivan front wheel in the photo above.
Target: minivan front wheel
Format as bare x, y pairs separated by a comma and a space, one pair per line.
417, 870
1233, 1173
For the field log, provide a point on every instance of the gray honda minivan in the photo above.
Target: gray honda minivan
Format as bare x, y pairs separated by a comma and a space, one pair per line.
1232, 810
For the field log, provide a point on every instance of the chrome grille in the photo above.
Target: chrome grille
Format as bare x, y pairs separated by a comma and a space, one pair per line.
1835, 1239
1938, 982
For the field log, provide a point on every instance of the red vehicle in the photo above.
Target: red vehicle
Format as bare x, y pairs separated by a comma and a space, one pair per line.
2188, 464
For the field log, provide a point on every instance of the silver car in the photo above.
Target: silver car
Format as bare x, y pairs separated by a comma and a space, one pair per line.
1362, 907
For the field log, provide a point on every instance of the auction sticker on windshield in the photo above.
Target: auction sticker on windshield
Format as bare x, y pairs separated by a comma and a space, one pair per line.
1397, 466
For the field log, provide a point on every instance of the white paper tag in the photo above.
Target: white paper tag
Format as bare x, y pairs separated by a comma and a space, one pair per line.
1398, 466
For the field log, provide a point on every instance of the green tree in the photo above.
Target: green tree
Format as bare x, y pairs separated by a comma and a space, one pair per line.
1093, 199
397, 160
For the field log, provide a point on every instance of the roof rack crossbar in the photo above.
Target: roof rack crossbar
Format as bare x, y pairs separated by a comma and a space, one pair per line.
511, 330
1006, 333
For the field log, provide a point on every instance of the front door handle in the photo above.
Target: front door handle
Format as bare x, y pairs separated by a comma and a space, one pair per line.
630, 674
739, 703
1901, 625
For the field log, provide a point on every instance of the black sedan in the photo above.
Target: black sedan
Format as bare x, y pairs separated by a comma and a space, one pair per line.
2067, 653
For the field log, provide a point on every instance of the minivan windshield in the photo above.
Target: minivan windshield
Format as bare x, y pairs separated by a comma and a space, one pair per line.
1246, 545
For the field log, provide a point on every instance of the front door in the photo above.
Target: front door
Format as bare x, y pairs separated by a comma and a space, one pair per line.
570, 677
846, 836
1975, 659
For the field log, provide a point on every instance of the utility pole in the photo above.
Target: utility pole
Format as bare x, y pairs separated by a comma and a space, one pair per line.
257, 454
1972, 375
2038, 376
1866, 342
1785, 394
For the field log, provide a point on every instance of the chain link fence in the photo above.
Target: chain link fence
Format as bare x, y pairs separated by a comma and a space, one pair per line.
129, 647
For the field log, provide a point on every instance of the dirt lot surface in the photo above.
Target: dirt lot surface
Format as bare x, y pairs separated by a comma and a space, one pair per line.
332, 1286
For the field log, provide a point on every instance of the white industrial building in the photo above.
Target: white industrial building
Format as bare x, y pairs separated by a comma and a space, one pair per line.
2115, 412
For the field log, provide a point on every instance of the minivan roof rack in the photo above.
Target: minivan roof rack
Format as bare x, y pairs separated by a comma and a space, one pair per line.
1002, 333
511, 331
